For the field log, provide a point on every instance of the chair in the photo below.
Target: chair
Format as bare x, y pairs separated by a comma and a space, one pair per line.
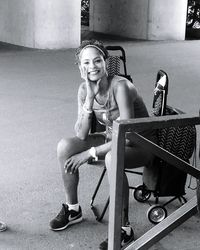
179, 141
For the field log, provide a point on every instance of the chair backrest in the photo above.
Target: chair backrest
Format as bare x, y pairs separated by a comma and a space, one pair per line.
117, 62
180, 141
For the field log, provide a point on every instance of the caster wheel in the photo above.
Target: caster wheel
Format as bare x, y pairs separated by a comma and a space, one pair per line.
141, 194
156, 214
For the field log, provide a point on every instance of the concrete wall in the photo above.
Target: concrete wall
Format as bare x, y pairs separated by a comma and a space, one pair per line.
55, 24
17, 22
167, 19
140, 19
41, 23
119, 17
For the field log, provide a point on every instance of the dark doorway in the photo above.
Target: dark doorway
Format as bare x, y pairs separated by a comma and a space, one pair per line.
193, 20
85, 7
85, 18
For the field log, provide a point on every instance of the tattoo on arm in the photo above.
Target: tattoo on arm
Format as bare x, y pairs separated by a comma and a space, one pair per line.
83, 119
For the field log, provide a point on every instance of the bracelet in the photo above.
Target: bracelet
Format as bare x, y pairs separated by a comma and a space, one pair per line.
87, 110
93, 153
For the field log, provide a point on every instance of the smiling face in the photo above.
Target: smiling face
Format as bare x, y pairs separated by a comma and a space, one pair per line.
92, 61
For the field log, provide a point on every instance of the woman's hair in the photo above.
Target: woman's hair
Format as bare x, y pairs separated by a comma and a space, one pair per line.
91, 43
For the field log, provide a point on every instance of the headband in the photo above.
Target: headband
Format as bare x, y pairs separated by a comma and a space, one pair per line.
93, 46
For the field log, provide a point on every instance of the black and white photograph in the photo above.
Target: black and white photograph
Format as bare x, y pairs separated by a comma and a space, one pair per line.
99, 124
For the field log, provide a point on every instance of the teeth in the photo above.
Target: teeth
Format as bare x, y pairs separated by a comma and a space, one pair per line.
93, 72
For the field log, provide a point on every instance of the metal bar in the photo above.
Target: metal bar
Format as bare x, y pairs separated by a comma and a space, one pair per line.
116, 184
97, 187
166, 226
198, 194
116, 188
157, 122
169, 201
100, 217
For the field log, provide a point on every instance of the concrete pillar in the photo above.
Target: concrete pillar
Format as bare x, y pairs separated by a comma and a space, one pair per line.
57, 23
140, 19
42, 24
17, 22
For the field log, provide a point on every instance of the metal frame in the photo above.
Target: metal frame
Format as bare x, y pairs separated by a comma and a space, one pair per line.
116, 185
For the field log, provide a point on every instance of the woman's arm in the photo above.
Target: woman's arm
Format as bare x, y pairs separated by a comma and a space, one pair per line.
125, 97
103, 149
83, 123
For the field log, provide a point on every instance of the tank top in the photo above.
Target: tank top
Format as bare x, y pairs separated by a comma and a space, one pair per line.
108, 112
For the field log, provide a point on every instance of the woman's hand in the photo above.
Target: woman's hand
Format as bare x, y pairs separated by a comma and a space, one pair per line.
74, 162
92, 87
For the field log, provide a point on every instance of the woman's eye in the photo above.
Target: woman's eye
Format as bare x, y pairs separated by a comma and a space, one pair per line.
98, 61
86, 63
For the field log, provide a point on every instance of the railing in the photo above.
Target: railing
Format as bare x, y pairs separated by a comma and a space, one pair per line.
118, 139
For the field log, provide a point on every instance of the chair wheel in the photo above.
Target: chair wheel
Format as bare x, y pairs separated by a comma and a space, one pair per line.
141, 194
156, 213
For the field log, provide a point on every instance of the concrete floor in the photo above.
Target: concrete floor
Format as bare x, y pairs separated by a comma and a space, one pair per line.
38, 107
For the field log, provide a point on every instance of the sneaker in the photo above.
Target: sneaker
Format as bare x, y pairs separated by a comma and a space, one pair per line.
3, 226
125, 240
65, 218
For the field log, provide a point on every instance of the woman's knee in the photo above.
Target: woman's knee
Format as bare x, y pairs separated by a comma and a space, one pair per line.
64, 147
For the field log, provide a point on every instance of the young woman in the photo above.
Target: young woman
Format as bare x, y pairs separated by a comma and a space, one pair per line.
109, 98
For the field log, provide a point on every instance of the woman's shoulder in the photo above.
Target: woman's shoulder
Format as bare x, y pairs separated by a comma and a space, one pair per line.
117, 78
120, 82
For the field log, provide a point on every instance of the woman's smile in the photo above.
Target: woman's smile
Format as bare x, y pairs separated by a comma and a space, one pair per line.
93, 72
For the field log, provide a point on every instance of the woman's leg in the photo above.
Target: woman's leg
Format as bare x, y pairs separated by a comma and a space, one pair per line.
71, 212
134, 157
65, 149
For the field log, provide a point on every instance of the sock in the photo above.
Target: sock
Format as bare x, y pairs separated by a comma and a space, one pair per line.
74, 207
127, 229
